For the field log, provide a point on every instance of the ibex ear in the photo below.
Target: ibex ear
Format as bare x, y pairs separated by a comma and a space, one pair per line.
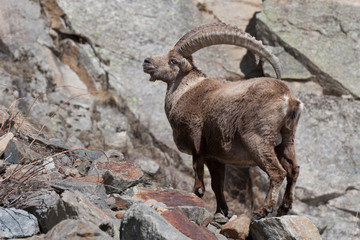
185, 65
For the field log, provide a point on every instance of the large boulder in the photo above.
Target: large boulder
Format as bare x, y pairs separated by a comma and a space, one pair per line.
322, 35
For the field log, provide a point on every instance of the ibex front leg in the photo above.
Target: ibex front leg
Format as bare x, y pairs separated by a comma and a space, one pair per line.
198, 165
217, 173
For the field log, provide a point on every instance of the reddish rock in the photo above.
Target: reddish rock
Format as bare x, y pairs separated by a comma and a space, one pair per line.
177, 218
118, 176
170, 198
123, 169
237, 228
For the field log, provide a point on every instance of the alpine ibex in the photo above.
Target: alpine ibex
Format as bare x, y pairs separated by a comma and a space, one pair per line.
246, 123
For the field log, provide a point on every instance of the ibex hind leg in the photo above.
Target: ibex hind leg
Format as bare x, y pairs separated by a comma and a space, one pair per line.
198, 166
217, 173
286, 154
265, 157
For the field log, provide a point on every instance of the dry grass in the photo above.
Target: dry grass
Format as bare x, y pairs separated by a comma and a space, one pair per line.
19, 181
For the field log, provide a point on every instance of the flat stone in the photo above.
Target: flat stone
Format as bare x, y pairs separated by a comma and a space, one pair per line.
95, 192
171, 198
237, 228
178, 219
286, 227
17, 223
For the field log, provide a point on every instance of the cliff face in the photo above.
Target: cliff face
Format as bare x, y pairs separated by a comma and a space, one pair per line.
75, 69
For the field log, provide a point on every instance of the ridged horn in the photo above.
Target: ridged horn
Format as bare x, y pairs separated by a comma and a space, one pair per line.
195, 30
214, 34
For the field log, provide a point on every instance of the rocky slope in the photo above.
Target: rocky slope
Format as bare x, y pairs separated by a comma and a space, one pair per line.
71, 78
87, 194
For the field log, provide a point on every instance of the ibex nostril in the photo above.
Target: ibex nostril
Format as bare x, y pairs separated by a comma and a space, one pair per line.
147, 60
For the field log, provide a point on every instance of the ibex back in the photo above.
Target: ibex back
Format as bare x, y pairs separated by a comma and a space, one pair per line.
246, 123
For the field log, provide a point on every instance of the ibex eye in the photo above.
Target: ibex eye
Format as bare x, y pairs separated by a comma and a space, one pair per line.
173, 61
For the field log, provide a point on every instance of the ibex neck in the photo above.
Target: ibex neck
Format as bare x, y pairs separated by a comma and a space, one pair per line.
180, 86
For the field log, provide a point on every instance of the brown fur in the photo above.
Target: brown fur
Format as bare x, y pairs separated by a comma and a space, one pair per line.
221, 122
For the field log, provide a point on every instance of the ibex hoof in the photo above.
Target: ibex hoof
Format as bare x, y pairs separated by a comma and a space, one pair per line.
199, 192
256, 216
283, 210
269, 209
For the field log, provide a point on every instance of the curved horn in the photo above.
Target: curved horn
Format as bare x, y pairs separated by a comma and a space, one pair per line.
213, 34
195, 30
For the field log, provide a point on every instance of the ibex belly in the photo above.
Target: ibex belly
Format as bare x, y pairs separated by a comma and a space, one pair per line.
237, 155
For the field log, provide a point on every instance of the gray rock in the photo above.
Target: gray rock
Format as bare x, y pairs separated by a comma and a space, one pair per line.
142, 222
95, 192
291, 68
17, 223
115, 155
321, 35
90, 155
147, 165
18, 151
286, 227
38, 203
76, 229
220, 218
74, 205
201, 216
